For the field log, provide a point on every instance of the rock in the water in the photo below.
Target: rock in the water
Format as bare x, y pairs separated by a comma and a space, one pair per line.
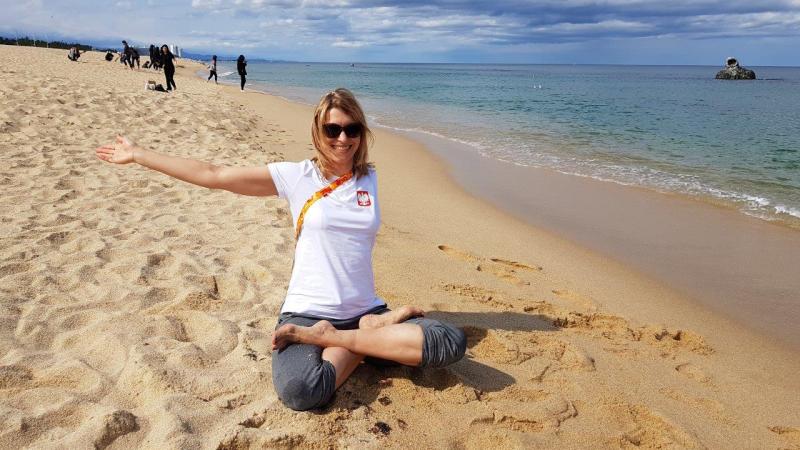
733, 71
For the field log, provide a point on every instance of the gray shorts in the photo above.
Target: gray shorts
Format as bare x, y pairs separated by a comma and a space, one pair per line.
303, 380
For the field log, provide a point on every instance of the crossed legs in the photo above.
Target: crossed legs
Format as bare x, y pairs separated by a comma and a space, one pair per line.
312, 357
382, 336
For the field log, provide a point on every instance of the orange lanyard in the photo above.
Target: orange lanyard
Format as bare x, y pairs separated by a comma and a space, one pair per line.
318, 195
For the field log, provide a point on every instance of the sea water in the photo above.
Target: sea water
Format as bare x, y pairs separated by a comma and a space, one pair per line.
669, 128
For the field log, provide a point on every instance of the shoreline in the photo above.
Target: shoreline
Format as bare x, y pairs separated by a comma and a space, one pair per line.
710, 257
137, 310
713, 254
770, 206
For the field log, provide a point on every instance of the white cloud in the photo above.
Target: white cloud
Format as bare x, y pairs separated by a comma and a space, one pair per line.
410, 27
348, 44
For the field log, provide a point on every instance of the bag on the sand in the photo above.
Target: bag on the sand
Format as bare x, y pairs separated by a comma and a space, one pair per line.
151, 85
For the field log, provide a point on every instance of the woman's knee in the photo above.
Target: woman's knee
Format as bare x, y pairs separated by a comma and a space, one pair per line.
444, 343
303, 390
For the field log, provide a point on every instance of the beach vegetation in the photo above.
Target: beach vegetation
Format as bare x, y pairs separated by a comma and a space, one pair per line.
32, 42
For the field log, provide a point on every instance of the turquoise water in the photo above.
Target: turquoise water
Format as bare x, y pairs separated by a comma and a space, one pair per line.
670, 128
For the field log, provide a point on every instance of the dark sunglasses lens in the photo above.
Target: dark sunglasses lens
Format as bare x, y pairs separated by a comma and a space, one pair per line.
333, 130
353, 130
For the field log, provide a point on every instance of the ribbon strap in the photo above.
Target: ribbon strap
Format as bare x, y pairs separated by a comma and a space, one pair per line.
318, 195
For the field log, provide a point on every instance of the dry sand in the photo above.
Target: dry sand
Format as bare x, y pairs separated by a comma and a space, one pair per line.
136, 311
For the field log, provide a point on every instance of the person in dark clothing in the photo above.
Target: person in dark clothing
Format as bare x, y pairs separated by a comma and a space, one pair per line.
155, 58
240, 67
167, 59
127, 54
74, 54
212, 68
134, 57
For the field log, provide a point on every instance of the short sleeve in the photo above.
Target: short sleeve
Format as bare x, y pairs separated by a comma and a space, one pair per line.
285, 175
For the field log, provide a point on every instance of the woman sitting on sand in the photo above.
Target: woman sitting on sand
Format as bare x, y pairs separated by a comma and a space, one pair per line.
331, 318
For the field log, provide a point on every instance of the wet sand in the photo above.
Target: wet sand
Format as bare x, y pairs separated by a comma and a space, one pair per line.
738, 266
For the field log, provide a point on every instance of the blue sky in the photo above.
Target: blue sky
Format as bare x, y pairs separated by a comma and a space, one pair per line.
757, 32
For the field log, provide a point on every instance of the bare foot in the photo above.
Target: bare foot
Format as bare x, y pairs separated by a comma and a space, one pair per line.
397, 316
290, 333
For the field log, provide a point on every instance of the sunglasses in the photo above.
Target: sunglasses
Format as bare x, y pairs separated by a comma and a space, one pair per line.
333, 130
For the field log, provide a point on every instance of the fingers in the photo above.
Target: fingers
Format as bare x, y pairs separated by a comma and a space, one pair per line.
105, 152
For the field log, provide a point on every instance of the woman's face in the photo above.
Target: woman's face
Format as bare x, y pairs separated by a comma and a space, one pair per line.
164, 50
340, 149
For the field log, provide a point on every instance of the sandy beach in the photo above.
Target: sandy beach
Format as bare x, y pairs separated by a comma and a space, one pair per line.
136, 311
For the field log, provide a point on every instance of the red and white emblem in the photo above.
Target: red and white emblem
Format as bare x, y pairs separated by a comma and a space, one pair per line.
363, 198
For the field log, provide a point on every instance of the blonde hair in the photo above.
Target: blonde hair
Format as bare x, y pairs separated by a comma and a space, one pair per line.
345, 101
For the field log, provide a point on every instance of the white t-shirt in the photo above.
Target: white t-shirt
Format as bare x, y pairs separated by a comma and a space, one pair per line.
332, 275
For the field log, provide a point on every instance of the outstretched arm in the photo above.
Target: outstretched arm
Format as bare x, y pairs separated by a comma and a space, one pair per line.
256, 181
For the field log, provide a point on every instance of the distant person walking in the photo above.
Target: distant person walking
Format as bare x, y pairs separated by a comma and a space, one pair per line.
241, 63
212, 68
155, 59
167, 59
134, 57
127, 54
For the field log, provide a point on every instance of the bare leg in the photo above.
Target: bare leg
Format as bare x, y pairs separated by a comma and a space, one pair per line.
400, 342
345, 361
397, 316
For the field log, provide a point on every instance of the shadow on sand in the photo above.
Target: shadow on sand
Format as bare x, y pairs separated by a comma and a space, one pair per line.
369, 382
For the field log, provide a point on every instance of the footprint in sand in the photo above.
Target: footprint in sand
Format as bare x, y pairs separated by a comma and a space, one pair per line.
254, 437
548, 355
581, 301
14, 268
646, 429
517, 393
157, 267
215, 337
498, 346
693, 372
709, 407
619, 331
510, 271
480, 295
543, 414
790, 434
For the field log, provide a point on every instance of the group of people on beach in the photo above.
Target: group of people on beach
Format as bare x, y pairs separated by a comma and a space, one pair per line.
163, 58
129, 55
241, 68
160, 58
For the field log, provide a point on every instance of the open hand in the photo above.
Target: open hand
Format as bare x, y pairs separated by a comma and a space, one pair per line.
120, 152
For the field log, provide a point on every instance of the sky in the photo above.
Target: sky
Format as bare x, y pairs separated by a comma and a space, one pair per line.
670, 32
